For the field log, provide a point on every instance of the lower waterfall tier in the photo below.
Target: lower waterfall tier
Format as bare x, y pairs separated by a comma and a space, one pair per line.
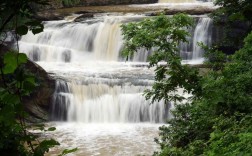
105, 94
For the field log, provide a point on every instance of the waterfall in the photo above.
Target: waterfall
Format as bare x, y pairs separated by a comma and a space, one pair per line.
71, 42
202, 34
98, 96
102, 40
101, 103
93, 85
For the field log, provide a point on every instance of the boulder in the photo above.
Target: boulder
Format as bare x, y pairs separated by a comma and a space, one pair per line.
37, 105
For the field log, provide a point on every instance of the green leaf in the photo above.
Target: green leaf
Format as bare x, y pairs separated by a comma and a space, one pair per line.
10, 61
39, 127
37, 30
51, 129
33, 23
67, 151
49, 143
22, 58
44, 147
10, 99
22, 30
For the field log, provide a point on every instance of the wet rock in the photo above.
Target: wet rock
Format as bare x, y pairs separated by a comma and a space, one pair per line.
84, 17
38, 103
35, 55
66, 56
50, 15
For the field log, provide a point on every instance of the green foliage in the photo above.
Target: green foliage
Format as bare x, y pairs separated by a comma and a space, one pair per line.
231, 136
67, 151
217, 118
234, 18
18, 15
216, 59
164, 34
219, 123
17, 83
70, 3
236, 9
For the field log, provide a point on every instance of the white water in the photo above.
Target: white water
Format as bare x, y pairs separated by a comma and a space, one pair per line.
109, 139
98, 40
183, 1
202, 33
97, 93
201, 36
180, 5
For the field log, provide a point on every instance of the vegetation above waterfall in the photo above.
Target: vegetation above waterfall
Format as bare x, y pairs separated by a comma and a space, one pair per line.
216, 119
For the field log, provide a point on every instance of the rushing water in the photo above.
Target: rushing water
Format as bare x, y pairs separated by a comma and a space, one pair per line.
183, 1
98, 96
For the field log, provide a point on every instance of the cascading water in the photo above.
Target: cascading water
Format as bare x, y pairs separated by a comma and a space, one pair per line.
101, 103
64, 41
200, 35
97, 93
191, 51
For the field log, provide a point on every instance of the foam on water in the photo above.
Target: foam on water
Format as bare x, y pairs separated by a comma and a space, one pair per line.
106, 139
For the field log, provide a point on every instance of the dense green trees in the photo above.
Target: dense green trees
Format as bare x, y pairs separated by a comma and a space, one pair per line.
216, 119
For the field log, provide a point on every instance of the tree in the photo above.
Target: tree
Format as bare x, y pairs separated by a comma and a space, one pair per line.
234, 16
17, 82
215, 120
164, 34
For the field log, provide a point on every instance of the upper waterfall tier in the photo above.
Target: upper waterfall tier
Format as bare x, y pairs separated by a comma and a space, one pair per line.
99, 39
